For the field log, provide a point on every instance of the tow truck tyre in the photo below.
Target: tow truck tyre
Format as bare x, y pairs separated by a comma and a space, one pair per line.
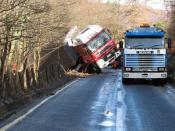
160, 81
124, 81
164, 81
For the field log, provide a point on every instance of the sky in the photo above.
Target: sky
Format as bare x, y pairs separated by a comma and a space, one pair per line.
155, 4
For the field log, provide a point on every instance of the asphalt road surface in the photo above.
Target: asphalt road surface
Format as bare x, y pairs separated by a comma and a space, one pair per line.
103, 103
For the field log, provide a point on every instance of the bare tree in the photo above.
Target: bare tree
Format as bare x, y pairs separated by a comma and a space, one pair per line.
27, 29
170, 4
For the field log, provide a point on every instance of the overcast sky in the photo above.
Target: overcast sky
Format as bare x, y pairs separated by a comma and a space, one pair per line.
156, 4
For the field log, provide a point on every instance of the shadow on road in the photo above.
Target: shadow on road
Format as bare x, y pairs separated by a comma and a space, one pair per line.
145, 82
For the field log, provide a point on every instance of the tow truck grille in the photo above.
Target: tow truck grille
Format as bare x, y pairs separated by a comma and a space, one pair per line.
135, 60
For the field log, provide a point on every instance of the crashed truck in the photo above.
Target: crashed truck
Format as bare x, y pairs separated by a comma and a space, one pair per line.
96, 49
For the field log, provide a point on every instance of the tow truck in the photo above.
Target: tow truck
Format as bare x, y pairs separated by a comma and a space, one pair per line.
145, 54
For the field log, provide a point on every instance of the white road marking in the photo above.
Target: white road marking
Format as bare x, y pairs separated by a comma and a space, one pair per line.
170, 91
121, 109
107, 97
35, 107
170, 88
107, 123
111, 99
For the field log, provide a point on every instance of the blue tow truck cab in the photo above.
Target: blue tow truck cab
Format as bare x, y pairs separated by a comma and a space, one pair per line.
145, 54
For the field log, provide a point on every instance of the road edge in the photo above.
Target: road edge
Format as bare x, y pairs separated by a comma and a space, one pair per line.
20, 118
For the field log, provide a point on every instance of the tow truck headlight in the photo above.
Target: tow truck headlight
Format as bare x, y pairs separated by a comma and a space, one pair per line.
126, 75
161, 69
127, 69
163, 75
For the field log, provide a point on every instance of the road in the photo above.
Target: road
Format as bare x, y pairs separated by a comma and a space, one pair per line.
103, 103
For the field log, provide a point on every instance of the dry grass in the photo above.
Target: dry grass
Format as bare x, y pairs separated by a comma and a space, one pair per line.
78, 74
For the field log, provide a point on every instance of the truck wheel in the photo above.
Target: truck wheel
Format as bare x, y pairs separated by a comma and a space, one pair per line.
115, 65
125, 81
164, 81
160, 81
82, 68
96, 68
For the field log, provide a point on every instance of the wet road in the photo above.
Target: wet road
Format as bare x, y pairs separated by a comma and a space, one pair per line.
103, 103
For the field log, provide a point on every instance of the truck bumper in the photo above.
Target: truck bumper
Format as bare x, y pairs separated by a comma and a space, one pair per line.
145, 75
102, 64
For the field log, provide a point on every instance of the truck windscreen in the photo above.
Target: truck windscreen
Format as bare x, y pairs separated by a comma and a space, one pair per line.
98, 41
144, 43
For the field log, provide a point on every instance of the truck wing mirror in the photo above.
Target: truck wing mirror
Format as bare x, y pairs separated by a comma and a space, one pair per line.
169, 43
109, 32
121, 44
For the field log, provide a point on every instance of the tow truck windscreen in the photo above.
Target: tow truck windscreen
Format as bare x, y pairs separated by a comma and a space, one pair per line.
98, 41
145, 42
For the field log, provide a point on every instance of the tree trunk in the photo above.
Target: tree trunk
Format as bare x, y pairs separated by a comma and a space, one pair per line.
3, 62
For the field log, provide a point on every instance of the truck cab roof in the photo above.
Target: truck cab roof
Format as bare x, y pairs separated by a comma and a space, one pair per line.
88, 33
150, 31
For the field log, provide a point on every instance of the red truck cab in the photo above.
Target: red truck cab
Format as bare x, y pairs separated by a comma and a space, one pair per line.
96, 45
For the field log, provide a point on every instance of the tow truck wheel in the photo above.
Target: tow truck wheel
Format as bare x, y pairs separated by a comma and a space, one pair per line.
160, 81
124, 81
164, 81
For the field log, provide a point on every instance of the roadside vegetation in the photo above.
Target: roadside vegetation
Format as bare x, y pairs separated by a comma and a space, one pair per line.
118, 18
171, 28
171, 33
29, 31
78, 74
